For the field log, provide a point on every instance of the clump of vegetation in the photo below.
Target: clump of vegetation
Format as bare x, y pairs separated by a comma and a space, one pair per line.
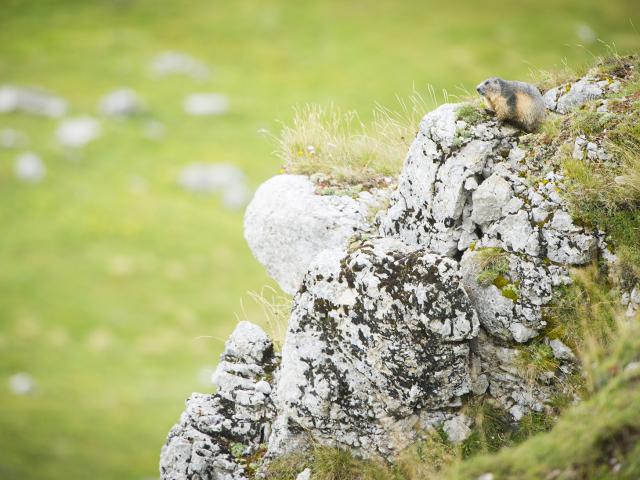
276, 309
328, 463
472, 112
534, 359
494, 266
338, 144
594, 439
585, 316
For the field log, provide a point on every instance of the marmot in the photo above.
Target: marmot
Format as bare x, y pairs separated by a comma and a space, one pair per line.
519, 103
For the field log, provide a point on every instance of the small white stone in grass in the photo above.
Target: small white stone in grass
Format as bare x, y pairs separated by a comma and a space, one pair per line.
304, 475
560, 350
178, 63
120, 103
78, 132
29, 168
204, 104
485, 476
22, 384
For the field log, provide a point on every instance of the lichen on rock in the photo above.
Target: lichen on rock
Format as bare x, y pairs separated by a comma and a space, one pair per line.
377, 339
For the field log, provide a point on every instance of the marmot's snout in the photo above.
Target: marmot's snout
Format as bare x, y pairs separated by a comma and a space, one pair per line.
480, 88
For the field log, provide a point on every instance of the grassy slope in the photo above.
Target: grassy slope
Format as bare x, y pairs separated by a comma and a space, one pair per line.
105, 288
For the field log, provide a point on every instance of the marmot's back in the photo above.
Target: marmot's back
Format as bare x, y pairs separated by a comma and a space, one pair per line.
516, 102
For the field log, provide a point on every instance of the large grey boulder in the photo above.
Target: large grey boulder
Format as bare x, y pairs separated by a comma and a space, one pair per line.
377, 345
200, 446
287, 224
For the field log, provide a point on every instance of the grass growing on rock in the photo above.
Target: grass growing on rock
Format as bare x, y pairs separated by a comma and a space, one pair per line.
338, 144
595, 439
494, 266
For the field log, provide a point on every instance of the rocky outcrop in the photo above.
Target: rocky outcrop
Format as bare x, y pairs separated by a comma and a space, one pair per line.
215, 430
462, 185
378, 343
401, 320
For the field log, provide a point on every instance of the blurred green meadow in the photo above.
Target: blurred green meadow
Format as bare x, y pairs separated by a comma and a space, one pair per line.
117, 286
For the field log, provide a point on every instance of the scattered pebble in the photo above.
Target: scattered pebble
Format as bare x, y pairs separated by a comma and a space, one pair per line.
202, 104
78, 132
120, 103
222, 178
11, 138
22, 384
31, 100
29, 168
585, 33
154, 130
304, 475
178, 63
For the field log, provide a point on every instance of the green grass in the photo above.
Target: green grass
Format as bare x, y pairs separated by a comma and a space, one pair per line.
117, 287
586, 437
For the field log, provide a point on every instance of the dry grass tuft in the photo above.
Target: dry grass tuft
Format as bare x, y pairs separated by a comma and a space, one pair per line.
336, 143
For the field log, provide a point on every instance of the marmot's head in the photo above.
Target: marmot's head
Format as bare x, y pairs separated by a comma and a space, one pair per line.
490, 87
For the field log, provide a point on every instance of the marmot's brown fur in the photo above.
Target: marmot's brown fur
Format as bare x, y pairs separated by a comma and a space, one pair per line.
519, 103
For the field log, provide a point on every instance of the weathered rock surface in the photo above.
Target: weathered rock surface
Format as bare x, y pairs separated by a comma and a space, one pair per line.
377, 340
511, 308
199, 446
287, 224
461, 185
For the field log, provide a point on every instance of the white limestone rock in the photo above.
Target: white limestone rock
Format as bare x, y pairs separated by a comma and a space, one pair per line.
426, 209
241, 412
528, 280
457, 428
377, 339
489, 199
287, 224
304, 475
560, 350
